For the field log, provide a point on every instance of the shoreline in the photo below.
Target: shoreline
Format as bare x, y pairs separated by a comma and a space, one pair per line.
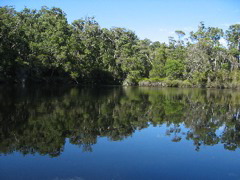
187, 84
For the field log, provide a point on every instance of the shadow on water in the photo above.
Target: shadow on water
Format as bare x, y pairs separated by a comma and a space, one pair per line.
40, 119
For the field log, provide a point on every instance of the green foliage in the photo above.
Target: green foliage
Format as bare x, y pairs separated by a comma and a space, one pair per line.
233, 34
132, 78
199, 78
40, 45
159, 57
174, 69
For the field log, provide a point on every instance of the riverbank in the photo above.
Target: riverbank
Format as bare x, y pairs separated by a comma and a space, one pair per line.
188, 84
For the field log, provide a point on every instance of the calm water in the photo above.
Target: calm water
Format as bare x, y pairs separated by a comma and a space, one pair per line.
119, 133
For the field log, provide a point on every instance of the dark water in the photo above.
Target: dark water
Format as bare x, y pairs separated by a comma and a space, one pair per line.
119, 133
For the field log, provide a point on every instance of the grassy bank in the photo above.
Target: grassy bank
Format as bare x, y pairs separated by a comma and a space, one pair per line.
164, 82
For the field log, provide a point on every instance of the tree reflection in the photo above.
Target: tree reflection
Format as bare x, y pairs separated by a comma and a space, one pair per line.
39, 120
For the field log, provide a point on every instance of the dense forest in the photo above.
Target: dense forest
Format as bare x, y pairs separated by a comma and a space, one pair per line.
41, 46
40, 120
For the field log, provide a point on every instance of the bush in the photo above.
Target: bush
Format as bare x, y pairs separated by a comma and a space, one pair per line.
174, 69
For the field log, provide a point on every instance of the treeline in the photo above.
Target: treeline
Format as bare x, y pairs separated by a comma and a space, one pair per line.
41, 46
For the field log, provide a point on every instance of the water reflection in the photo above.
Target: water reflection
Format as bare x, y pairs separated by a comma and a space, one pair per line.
39, 120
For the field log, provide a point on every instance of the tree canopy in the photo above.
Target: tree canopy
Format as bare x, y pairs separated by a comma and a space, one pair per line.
41, 46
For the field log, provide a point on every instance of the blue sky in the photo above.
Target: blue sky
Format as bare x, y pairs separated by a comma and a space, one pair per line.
153, 19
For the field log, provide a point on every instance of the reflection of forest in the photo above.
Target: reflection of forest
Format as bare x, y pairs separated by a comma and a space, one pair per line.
39, 120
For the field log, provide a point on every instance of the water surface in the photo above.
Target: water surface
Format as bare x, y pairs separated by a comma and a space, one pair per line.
63, 133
